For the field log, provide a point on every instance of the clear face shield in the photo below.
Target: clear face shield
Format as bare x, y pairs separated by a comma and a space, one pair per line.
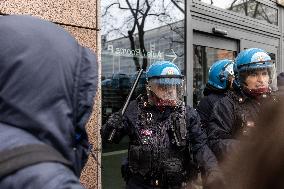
258, 79
165, 91
229, 69
229, 73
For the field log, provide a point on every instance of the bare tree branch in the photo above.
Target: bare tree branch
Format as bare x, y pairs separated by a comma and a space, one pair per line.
255, 10
265, 16
140, 11
245, 5
111, 5
141, 35
232, 4
177, 5
131, 32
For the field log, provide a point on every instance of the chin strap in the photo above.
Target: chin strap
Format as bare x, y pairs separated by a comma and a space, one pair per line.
256, 92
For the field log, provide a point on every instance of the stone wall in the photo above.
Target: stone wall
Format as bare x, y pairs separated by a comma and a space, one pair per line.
80, 18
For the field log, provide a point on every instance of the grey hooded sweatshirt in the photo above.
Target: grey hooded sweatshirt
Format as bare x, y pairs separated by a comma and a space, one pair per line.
47, 86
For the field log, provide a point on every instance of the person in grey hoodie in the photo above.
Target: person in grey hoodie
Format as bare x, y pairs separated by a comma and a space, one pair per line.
47, 86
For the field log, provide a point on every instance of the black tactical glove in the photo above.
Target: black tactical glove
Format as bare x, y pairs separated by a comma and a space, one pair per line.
111, 131
214, 180
115, 119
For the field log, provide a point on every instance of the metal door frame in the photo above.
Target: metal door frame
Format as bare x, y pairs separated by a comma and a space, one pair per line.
207, 40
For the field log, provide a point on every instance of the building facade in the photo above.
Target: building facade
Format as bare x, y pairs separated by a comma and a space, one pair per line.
234, 26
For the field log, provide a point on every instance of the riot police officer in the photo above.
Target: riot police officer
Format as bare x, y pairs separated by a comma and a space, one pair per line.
234, 115
162, 131
220, 79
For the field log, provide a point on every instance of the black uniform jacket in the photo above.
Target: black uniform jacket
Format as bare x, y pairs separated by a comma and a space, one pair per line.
206, 104
197, 138
230, 119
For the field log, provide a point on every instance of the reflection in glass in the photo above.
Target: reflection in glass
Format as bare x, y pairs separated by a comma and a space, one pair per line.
130, 19
136, 34
204, 57
273, 84
251, 8
119, 62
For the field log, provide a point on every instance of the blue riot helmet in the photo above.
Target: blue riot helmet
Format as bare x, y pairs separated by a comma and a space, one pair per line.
249, 61
164, 84
221, 74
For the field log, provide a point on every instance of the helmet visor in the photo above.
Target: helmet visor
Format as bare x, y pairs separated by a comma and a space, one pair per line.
167, 89
251, 68
257, 81
229, 69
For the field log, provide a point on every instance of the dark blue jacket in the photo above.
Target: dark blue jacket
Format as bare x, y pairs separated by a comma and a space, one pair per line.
47, 85
229, 120
206, 104
197, 138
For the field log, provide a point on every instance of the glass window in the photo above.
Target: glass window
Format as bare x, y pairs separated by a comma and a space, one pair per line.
135, 34
204, 57
251, 8
273, 84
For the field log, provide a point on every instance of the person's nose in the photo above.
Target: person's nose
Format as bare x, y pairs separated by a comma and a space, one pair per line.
169, 92
260, 78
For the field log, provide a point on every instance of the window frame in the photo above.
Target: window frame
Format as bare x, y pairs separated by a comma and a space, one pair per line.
234, 16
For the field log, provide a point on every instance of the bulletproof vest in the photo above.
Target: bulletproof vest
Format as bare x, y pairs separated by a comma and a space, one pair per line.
161, 145
246, 112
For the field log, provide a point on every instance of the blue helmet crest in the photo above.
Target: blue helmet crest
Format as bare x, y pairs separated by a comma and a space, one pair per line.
219, 74
165, 71
251, 59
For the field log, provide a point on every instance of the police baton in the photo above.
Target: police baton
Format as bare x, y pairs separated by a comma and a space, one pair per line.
110, 138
